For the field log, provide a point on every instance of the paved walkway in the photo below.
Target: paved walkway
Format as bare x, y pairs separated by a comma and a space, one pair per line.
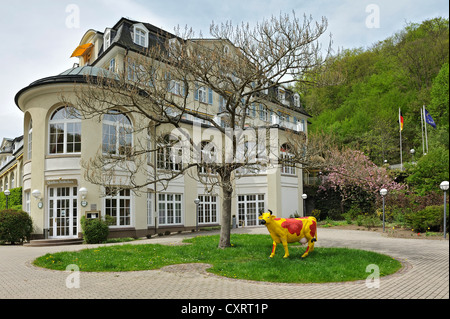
425, 275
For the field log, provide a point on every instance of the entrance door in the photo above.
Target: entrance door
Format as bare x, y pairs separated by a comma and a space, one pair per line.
63, 212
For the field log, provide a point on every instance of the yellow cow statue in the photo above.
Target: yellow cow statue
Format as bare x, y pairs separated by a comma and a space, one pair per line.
290, 230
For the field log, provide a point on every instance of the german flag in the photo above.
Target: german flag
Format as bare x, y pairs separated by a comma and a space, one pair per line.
400, 119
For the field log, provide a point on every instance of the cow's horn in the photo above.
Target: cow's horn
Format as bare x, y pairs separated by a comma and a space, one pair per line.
270, 211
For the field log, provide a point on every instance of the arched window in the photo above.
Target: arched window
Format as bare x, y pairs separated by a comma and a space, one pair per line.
30, 139
117, 134
287, 166
65, 131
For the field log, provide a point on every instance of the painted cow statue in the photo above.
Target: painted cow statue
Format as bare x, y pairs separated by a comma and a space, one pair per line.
290, 230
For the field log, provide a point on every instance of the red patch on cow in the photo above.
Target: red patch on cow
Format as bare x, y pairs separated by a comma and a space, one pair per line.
313, 229
294, 226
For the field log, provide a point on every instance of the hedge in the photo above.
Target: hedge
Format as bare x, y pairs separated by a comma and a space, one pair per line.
15, 226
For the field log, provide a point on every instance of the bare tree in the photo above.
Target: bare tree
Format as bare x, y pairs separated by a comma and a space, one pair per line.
162, 87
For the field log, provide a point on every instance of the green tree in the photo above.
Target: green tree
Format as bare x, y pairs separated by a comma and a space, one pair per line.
429, 171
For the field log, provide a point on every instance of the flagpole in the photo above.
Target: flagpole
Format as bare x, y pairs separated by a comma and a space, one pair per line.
426, 134
401, 156
422, 119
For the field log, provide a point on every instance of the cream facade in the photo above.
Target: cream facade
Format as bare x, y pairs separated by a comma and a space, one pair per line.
57, 141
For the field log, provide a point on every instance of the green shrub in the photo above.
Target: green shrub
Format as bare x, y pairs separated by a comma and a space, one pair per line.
368, 220
16, 226
431, 218
95, 231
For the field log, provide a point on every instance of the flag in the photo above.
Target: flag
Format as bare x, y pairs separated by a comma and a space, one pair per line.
429, 119
400, 119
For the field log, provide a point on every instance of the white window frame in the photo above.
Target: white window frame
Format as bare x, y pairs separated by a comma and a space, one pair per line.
244, 202
170, 209
208, 209
286, 155
140, 35
118, 197
107, 39
150, 215
169, 156
69, 120
123, 132
30, 140
296, 100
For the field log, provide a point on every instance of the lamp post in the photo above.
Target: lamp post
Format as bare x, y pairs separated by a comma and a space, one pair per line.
196, 201
383, 193
7, 193
304, 196
444, 187
413, 151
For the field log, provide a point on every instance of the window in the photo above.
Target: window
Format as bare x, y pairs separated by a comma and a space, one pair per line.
140, 35
117, 134
297, 100
30, 139
249, 207
112, 65
27, 202
150, 218
201, 94
169, 209
65, 131
118, 206
208, 157
107, 39
262, 112
169, 155
287, 166
207, 209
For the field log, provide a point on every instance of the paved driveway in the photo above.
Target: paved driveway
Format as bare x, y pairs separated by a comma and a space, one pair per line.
425, 275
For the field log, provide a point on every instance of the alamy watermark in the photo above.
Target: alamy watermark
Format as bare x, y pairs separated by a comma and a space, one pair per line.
373, 19
73, 18
373, 280
73, 279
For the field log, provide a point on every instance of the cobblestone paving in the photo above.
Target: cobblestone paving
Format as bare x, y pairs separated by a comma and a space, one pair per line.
425, 274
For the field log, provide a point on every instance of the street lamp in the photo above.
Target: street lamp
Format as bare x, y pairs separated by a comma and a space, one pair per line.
196, 201
37, 194
7, 193
413, 151
444, 187
304, 196
383, 193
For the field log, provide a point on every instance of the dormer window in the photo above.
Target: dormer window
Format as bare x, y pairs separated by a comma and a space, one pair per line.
140, 35
297, 100
107, 39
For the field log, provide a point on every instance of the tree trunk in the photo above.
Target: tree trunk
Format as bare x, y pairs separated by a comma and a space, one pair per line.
225, 229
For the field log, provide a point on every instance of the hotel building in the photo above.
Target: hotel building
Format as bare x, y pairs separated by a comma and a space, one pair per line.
57, 141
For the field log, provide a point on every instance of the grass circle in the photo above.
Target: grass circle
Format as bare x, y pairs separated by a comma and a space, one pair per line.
246, 259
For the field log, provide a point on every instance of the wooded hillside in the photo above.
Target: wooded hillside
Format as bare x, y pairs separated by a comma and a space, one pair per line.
358, 93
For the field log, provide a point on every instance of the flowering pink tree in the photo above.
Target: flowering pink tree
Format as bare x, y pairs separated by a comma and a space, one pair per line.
357, 178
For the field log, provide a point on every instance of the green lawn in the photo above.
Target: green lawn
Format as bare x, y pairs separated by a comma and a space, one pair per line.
246, 259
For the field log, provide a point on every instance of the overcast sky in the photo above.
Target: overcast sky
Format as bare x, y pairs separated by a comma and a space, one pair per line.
38, 37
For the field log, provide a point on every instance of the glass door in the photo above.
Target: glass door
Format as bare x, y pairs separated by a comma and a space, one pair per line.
63, 212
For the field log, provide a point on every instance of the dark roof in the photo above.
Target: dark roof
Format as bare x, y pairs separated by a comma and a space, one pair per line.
121, 36
74, 75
